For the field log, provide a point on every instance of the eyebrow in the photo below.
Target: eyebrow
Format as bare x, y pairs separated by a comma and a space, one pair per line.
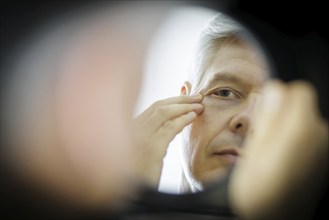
229, 78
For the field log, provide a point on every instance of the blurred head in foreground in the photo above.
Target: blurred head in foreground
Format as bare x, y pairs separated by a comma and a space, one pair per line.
67, 103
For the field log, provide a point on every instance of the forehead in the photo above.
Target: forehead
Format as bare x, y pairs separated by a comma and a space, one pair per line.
237, 62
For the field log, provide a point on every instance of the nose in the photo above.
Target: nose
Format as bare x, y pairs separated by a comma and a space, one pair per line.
242, 121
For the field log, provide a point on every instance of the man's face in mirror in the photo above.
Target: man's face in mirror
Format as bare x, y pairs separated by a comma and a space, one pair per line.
230, 84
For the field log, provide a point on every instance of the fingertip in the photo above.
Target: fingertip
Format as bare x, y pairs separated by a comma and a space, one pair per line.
192, 114
197, 97
200, 96
198, 109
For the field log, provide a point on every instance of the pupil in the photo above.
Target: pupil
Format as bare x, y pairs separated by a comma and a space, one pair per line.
225, 92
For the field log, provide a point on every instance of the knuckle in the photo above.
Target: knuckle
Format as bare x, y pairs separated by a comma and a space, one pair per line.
162, 111
169, 125
156, 104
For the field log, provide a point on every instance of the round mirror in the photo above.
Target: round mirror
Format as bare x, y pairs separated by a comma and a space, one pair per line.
200, 51
140, 108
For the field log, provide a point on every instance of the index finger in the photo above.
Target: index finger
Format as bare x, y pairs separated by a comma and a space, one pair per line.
172, 100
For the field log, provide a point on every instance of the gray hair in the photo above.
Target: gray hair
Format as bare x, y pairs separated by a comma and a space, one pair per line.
220, 29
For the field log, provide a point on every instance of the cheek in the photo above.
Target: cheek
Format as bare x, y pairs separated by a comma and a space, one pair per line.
217, 114
200, 133
214, 117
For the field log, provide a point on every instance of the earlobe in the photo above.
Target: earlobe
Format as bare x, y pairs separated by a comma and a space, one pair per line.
186, 88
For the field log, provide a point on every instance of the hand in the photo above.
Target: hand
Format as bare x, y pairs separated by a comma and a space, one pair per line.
156, 127
285, 159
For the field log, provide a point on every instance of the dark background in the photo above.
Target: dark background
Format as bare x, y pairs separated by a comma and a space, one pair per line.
294, 35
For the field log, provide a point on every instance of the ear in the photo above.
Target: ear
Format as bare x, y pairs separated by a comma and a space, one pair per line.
186, 88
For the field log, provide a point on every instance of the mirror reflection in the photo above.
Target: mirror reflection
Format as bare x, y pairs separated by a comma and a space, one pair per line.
214, 96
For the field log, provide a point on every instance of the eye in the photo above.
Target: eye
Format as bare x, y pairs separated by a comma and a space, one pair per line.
226, 93
223, 92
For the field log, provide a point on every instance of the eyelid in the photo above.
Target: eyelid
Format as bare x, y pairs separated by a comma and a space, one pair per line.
237, 93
